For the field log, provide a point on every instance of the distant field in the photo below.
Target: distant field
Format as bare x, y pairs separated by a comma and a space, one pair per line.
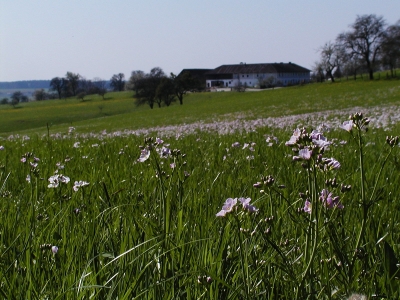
119, 112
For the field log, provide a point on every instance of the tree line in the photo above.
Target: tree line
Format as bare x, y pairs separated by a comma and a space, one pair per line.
156, 88
153, 88
369, 46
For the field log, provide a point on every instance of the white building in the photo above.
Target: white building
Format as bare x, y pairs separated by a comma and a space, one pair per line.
255, 75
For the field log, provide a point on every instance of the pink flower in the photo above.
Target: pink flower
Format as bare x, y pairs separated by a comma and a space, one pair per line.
228, 206
307, 207
347, 125
144, 155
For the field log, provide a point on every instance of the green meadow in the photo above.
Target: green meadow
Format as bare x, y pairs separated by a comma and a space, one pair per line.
118, 111
261, 213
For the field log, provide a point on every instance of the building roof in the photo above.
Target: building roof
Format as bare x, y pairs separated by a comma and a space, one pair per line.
259, 68
196, 73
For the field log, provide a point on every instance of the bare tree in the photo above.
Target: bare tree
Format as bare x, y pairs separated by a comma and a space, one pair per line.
40, 95
391, 47
365, 40
72, 82
331, 57
165, 91
117, 82
135, 76
56, 84
146, 87
18, 97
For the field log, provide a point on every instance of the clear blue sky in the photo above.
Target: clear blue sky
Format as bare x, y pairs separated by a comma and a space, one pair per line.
98, 38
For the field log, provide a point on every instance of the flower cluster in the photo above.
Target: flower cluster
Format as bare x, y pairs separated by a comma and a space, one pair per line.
55, 180
357, 121
231, 204
33, 162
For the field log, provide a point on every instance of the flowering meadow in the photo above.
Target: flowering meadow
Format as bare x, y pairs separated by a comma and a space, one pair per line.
310, 211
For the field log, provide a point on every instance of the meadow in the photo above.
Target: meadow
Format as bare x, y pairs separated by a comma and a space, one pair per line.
236, 204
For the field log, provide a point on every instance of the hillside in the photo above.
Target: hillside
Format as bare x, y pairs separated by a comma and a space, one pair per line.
119, 112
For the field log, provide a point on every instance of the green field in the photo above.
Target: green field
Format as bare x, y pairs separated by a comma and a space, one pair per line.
119, 111
109, 216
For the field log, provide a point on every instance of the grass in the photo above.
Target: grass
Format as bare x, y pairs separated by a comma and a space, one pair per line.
119, 112
149, 230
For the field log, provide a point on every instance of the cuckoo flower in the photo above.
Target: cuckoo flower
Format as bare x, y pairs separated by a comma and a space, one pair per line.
228, 206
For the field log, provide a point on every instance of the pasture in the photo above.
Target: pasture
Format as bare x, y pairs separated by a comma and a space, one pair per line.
233, 205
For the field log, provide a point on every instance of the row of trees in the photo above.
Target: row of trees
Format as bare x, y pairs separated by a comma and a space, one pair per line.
370, 45
156, 88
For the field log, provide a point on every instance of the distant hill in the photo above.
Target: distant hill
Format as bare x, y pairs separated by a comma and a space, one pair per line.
27, 84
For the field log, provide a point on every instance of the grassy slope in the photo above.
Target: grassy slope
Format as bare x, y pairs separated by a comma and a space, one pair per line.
118, 111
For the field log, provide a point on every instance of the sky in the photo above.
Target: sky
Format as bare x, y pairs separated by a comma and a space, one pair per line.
43, 39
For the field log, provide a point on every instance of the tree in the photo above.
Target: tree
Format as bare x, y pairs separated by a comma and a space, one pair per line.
81, 96
165, 92
331, 58
57, 85
135, 76
4, 101
240, 87
18, 97
40, 95
147, 86
183, 83
72, 82
318, 72
117, 82
365, 40
391, 47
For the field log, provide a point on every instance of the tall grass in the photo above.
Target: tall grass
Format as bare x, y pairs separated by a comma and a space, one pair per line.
148, 229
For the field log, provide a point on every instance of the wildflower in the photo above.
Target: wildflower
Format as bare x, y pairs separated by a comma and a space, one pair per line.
294, 138
245, 146
246, 205
329, 201
95, 145
54, 249
305, 153
159, 141
331, 163
144, 155
76, 145
56, 179
23, 160
236, 145
71, 129
307, 206
79, 184
227, 207
347, 125
28, 178
164, 152
1, 148
172, 166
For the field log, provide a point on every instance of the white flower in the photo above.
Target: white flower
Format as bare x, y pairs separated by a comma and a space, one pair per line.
227, 207
347, 125
77, 145
28, 178
56, 179
78, 184
54, 249
144, 155
1, 148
